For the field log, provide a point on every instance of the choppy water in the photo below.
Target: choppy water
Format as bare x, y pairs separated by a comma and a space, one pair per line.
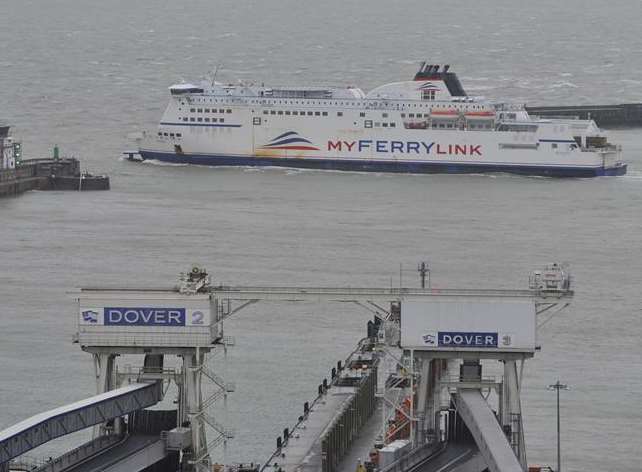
85, 75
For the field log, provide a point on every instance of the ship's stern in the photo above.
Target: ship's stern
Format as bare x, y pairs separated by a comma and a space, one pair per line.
612, 163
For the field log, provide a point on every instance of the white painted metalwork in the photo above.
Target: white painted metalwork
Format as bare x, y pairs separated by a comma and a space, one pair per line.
44, 427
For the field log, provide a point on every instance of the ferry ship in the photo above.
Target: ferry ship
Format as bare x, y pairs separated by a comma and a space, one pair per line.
425, 125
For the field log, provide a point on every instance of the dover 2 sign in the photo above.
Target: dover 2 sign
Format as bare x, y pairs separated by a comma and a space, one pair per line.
471, 325
144, 316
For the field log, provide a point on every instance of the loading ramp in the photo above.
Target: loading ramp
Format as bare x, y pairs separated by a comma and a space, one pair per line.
44, 427
485, 429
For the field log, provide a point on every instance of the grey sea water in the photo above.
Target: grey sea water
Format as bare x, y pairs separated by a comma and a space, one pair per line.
85, 74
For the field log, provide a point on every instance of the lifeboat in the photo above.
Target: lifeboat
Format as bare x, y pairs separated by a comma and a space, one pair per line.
480, 115
448, 113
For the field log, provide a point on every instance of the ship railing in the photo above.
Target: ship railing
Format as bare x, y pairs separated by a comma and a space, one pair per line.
303, 418
509, 106
345, 102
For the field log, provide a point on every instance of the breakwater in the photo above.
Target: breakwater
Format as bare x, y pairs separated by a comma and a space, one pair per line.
48, 174
626, 114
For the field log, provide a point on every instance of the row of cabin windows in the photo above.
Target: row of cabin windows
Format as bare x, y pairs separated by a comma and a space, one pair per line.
208, 110
331, 102
206, 119
378, 124
171, 135
297, 113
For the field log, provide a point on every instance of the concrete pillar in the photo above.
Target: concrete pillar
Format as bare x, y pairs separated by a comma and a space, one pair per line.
424, 391
193, 402
104, 371
512, 411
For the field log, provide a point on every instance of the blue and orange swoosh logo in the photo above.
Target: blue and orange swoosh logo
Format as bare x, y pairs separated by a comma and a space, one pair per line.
428, 86
291, 141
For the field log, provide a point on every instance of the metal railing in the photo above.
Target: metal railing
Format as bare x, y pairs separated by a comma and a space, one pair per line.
304, 417
415, 458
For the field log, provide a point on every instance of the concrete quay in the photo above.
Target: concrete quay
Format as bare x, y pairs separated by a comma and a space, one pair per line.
48, 174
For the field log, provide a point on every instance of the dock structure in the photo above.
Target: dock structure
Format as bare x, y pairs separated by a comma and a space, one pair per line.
625, 114
18, 175
411, 397
433, 414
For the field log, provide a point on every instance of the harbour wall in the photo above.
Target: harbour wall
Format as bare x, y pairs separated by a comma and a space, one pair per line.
47, 174
626, 114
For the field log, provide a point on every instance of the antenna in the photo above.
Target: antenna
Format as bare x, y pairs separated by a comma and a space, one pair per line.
218, 66
424, 270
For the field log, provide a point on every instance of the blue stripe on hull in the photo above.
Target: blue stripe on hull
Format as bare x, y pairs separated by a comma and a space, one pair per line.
381, 166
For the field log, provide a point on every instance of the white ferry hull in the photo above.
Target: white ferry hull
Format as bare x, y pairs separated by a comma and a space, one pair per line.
394, 166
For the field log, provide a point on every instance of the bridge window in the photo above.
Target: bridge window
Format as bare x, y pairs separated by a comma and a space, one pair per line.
339, 113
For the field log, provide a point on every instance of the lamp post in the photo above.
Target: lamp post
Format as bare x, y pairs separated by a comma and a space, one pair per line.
557, 387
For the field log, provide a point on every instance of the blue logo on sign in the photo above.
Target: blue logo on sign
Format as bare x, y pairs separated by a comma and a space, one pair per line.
132, 316
429, 338
90, 316
463, 339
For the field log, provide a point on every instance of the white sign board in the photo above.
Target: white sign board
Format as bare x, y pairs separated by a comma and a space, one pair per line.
468, 325
131, 318
173, 315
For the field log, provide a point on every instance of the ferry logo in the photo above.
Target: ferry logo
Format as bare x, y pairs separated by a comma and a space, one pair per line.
406, 147
90, 316
428, 86
290, 141
429, 338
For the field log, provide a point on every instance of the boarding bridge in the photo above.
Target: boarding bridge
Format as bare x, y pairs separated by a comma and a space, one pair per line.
44, 427
129, 453
485, 428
